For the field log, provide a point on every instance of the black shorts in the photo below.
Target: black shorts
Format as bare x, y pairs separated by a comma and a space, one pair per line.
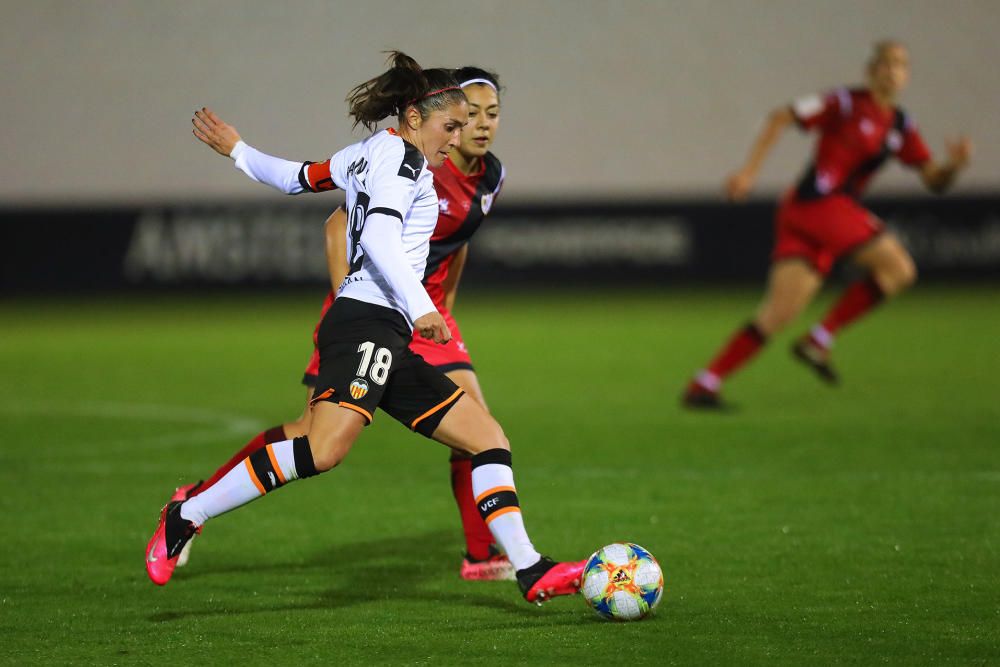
365, 362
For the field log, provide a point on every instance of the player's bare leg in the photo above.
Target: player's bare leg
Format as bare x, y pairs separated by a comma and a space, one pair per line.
889, 262
469, 428
300, 426
890, 271
792, 285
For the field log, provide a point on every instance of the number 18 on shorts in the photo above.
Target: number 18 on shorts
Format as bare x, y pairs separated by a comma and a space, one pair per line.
365, 363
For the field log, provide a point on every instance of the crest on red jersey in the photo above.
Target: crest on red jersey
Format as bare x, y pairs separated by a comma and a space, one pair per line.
486, 202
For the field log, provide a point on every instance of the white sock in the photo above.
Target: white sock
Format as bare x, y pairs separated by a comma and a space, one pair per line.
496, 498
822, 336
708, 380
264, 470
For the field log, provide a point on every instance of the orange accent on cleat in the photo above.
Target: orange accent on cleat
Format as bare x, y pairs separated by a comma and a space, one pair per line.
495, 568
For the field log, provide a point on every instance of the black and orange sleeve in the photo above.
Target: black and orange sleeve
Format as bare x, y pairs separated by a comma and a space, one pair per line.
315, 177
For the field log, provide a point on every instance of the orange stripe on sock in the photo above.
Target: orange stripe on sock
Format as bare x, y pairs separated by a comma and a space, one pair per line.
274, 464
445, 403
350, 406
505, 510
253, 477
495, 489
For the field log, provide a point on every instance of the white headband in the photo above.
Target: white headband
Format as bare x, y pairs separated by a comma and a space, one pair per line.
483, 81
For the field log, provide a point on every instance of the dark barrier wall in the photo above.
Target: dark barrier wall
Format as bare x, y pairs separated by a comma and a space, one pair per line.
62, 250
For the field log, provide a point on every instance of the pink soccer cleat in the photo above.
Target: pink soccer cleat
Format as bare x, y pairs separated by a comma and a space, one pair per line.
546, 579
497, 567
172, 533
182, 493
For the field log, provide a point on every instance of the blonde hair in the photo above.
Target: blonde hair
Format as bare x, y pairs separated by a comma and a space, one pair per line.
880, 47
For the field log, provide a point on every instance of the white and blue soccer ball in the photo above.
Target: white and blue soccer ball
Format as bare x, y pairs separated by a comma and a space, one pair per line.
622, 582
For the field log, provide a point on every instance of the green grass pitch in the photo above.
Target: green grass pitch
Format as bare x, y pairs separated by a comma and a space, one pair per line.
815, 526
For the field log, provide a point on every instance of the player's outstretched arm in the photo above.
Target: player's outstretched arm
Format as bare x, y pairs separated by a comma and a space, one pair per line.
740, 183
450, 284
383, 246
938, 176
284, 175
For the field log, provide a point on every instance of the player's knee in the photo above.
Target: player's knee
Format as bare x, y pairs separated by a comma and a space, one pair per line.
328, 452
898, 276
327, 459
296, 429
774, 320
300, 426
497, 439
489, 437
907, 273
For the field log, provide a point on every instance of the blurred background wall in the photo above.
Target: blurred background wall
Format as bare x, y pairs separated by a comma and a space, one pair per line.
620, 123
625, 99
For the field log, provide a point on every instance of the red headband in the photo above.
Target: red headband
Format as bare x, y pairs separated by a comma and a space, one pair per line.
433, 92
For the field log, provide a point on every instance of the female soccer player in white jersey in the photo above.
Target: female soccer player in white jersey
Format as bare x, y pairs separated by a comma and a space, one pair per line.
467, 185
365, 360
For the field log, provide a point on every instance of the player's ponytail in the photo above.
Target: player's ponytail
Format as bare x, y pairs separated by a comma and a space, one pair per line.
404, 84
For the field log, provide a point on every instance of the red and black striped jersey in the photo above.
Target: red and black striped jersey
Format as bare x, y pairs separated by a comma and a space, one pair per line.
463, 202
856, 137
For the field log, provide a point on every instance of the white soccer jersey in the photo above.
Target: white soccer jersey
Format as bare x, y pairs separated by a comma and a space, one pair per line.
382, 175
385, 174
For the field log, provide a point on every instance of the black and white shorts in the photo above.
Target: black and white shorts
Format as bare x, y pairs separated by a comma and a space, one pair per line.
365, 362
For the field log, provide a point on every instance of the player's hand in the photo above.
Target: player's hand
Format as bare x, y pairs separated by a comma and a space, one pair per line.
433, 327
959, 151
739, 185
219, 135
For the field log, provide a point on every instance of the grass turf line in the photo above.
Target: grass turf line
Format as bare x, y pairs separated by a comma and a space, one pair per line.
819, 525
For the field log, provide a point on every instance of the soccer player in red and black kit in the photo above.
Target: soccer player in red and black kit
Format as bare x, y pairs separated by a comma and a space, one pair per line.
820, 220
466, 184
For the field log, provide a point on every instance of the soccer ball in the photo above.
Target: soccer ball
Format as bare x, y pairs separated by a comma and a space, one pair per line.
622, 581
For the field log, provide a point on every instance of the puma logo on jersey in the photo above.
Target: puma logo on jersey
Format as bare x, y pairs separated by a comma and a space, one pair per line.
412, 165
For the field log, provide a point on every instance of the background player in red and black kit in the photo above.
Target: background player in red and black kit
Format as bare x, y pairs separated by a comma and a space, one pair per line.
466, 184
820, 220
